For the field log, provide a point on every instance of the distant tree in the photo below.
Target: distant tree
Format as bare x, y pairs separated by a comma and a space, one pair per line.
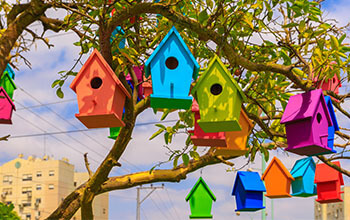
272, 49
7, 212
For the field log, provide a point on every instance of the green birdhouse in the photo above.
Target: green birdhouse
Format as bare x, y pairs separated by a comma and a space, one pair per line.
201, 199
8, 84
114, 132
219, 98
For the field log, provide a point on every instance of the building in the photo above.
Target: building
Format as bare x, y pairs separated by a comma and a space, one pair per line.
36, 186
334, 211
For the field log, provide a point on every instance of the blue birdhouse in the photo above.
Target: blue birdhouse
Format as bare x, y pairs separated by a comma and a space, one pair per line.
118, 35
303, 172
248, 189
10, 71
331, 129
172, 67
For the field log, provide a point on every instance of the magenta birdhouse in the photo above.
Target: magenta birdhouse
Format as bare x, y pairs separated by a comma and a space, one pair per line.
200, 138
138, 72
307, 120
6, 107
100, 94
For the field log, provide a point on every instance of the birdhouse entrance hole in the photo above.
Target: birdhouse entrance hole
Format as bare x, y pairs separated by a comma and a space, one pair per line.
171, 63
96, 82
333, 80
319, 117
216, 89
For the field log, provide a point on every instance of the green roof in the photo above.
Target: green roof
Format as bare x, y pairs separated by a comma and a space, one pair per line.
200, 181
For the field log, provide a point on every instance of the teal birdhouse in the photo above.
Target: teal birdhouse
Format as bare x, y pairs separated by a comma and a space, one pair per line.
172, 67
219, 97
201, 199
10, 71
8, 84
303, 173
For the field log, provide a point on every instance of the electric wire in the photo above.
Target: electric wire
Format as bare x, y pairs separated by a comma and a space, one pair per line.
164, 204
172, 204
161, 211
144, 213
45, 104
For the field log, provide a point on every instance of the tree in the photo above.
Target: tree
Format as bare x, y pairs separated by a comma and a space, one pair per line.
7, 212
272, 49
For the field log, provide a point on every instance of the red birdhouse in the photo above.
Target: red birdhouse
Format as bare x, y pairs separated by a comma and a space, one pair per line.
200, 138
328, 182
100, 94
6, 107
147, 86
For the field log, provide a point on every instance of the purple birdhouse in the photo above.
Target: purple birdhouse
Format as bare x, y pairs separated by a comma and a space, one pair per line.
307, 119
138, 72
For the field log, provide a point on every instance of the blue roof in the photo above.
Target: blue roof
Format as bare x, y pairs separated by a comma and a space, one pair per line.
172, 32
251, 181
331, 112
10, 71
301, 166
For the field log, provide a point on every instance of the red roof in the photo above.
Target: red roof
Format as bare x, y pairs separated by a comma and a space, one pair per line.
325, 173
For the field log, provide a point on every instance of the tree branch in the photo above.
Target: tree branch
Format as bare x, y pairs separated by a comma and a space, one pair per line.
327, 161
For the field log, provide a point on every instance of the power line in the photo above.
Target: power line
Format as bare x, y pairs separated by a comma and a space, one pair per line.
166, 207
172, 204
45, 104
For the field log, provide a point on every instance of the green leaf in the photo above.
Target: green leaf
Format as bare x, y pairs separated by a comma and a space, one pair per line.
175, 160
194, 155
56, 82
185, 159
203, 16
334, 43
165, 114
156, 134
161, 126
59, 93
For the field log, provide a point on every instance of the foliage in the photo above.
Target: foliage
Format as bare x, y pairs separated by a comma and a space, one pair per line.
8, 212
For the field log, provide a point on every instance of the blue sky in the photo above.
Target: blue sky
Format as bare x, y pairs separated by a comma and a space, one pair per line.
168, 203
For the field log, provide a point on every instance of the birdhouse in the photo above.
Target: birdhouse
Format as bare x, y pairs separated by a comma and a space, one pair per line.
248, 190
332, 84
200, 138
114, 132
303, 173
329, 182
331, 129
172, 67
10, 71
6, 107
147, 86
138, 72
307, 120
117, 35
277, 180
100, 94
219, 98
8, 84
201, 199
236, 141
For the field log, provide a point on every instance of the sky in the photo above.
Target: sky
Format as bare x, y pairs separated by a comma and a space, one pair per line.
34, 88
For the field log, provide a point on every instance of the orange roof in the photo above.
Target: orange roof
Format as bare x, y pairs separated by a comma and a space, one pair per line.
107, 67
283, 169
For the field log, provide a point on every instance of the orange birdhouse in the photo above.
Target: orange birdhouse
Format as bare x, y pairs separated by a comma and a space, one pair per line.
147, 86
236, 141
277, 180
101, 96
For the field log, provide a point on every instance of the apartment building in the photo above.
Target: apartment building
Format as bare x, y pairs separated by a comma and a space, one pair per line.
36, 186
334, 211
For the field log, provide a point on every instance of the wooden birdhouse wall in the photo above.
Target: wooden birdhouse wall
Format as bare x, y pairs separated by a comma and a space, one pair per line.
320, 126
276, 181
216, 99
328, 192
6, 107
171, 70
309, 178
301, 129
253, 199
105, 97
7, 83
200, 201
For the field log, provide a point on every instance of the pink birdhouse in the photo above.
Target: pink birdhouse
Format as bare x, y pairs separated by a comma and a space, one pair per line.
138, 72
147, 86
200, 138
6, 107
101, 95
307, 120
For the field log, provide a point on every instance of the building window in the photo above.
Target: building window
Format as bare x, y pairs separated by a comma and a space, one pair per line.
104, 211
38, 174
26, 190
75, 184
51, 186
27, 216
7, 179
27, 177
51, 173
38, 186
8, 203
38, 200
26, 203
6, 191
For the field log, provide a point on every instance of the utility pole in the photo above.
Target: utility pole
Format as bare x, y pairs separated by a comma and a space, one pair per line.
138, 204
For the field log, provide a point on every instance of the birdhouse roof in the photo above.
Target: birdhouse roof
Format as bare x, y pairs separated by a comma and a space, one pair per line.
225, 73
283, 169
172, 33
304, 106
3, 92
301, 166
200, 182
105, 66
250, 180
325, 173
6, 74
10, 71
331, 112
